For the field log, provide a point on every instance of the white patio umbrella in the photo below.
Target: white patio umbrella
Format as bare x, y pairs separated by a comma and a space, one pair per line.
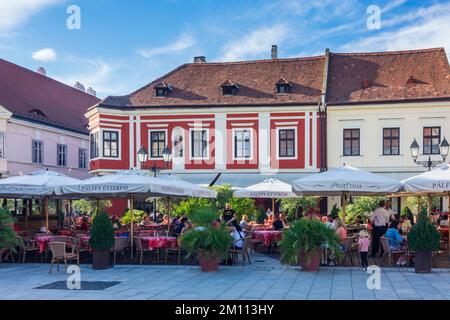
345, 181
39, 184
435, 181
191, 189
271, 188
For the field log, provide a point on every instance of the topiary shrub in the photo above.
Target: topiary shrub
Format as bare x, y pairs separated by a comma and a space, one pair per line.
424, 236
102, 233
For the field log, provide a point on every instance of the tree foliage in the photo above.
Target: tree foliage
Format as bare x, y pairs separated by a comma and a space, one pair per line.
88, 206
361, 207
102, 232
290, 205
138, 216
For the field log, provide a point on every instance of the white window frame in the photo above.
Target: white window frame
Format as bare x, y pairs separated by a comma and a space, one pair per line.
86, 162
233, 136
42, 151
2, 150
98, 131
119, 144
277, 151
191, 143
66, 153
150, 142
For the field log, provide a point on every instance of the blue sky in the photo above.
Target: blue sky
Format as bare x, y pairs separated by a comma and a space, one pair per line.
123, 45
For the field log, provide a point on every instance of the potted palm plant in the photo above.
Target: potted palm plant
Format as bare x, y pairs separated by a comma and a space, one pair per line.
101, 240
302, 242
209, 241
423, 239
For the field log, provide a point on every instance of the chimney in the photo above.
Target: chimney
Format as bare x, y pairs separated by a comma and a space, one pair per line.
42, 71
91, 91
200, 59
274, 52
79, 86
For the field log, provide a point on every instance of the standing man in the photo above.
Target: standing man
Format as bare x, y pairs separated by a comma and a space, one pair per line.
390, 215
228, 215
379, 223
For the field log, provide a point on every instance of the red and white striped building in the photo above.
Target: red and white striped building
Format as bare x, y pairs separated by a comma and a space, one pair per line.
253, 118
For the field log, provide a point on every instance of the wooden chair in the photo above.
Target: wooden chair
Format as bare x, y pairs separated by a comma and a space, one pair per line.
141, 249
27, 245
349, 250
248, 244
119, 248
60, 254
388, 251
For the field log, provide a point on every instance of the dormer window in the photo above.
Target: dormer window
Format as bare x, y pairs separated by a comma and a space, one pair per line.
282, 86
229, 88
37, 112
411, 80
162, 89
365, 84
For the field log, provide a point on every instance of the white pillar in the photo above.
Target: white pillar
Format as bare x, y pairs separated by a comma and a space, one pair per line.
307, 139
314, 140
138, 138
131, 123
221, 141
264, 141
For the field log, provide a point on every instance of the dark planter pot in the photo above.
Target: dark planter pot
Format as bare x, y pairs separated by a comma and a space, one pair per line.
309, 261
101, 259
422, 262
208, 264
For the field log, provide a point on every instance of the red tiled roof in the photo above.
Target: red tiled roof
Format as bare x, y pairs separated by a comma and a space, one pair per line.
30, 95
199, 84
389, 76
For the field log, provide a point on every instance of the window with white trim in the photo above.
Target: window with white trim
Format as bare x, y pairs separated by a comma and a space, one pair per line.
242, 143
110, 144
286, 143
37, 151
157, 143
199, 143
431, 140
2, 145
61, 155
82, 158
94, 145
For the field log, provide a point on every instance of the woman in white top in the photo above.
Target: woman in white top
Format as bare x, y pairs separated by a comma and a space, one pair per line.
238, 236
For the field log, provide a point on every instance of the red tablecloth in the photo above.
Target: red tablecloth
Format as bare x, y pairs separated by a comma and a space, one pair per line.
84, 241
160, 242
42, 242
267, 236
67, 233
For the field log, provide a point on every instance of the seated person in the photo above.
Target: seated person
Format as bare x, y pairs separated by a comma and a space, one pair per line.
84, 224
116, 223
278, 224
187, 227
244, 222
405, 224
180, 226
147, 221
165, 221
238, 236
283, 219
444, 221
396, 241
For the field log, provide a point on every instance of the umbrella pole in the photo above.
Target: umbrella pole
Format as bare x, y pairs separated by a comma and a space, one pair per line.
46, 212
132, 224
27, 212
418, 205
273, 205
344, 204
168, 215
429, 204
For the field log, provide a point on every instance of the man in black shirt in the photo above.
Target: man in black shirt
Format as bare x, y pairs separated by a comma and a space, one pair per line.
228, 215
278, 223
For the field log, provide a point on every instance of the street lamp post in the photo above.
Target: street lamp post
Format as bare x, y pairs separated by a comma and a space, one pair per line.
429, 164
142, 155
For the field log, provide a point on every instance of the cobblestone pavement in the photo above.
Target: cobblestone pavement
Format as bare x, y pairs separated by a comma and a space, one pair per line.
265, 278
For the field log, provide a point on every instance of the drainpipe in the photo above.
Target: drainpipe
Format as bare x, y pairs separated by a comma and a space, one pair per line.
323, 114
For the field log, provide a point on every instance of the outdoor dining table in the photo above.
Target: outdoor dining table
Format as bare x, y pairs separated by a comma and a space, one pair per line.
43, 241
84, 240
160, 242
267, 236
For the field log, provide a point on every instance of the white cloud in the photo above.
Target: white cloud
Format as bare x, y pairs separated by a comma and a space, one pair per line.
44, 55
255, 44
185, 41
428, 32
15, 12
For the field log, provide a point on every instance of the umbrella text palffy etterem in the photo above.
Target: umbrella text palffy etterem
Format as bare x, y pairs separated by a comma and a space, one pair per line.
345, 181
